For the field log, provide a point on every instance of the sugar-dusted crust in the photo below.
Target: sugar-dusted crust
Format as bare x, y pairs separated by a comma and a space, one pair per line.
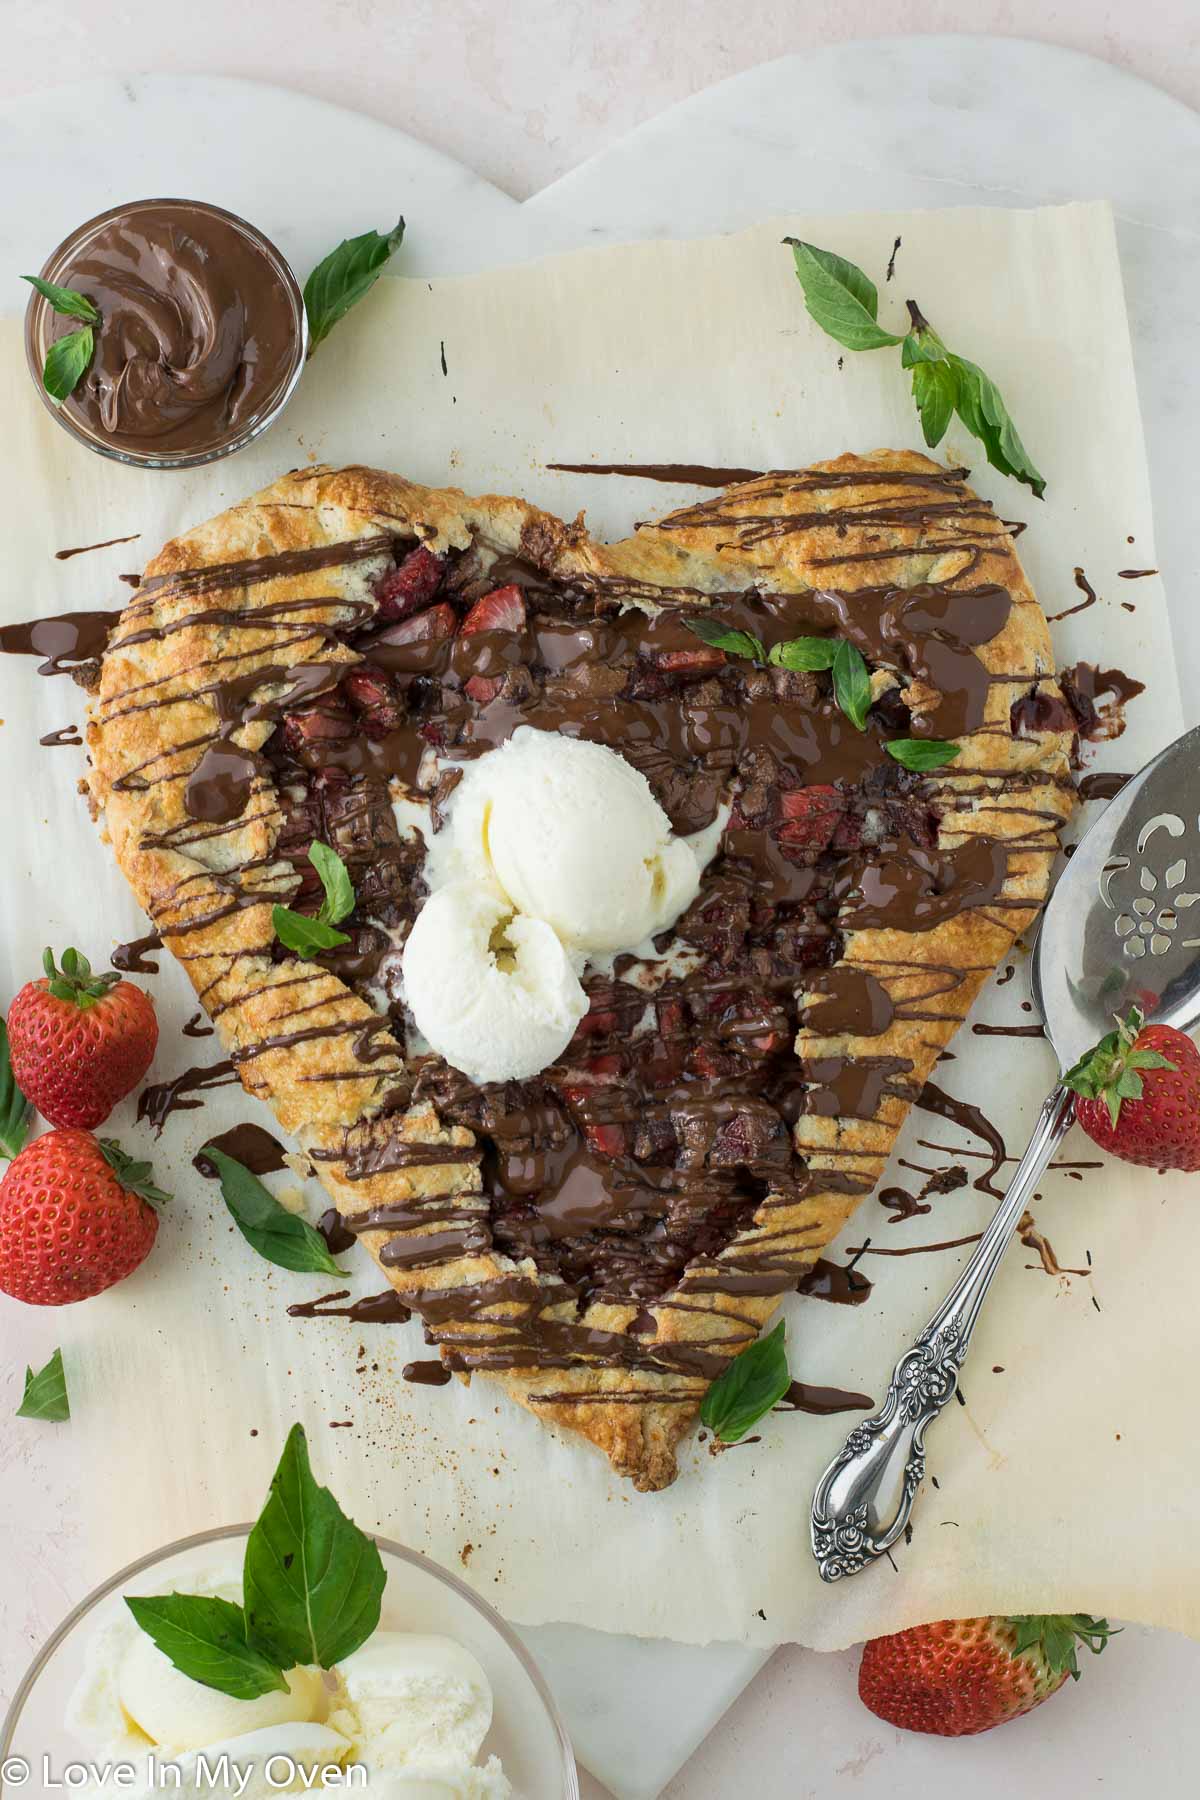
890, 520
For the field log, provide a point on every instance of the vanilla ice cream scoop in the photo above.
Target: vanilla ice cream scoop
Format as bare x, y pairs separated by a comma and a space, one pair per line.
572, 834
414, 1703
173, 1710
493, 992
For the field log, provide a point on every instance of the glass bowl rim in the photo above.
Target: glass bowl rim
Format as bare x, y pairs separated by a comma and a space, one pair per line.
182, 460
216, 1534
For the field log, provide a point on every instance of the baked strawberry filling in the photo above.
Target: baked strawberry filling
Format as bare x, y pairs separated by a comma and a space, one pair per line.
667, 1121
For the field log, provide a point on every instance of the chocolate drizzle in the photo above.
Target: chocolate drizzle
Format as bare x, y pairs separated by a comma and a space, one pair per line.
184, 1093
375, 1309
680, 474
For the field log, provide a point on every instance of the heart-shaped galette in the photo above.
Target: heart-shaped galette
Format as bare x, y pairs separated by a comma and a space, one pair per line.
332, 659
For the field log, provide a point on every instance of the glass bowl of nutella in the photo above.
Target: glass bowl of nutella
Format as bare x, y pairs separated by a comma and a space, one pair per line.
201, 340
442, 1702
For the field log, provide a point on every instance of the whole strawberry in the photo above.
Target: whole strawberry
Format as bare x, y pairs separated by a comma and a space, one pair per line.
80, 1042
965, 1675
76, 1215
1138, 1094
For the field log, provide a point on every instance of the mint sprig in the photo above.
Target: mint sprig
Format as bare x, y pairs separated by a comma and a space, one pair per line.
68, 356
840, 297
753, 1383
920, 754
65, 300
279, 1237
844, 302
307, 936
15, 1109
45, 1395
341, 279
66, 361
312, 1586
207, 1639
313, 1582
852, 683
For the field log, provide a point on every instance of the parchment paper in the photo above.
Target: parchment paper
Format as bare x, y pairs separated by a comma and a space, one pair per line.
1067, 1477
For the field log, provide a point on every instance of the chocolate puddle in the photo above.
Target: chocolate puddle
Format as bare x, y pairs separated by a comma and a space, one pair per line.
247, 1144
426, 1374
802, 1397
68, 641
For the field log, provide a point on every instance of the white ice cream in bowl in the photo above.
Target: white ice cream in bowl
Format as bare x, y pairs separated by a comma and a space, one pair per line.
441, 1702
553, 854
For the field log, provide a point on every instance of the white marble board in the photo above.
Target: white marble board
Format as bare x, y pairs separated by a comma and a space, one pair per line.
912, 122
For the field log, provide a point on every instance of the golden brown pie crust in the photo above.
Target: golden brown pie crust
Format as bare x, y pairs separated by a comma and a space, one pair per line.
1015, 789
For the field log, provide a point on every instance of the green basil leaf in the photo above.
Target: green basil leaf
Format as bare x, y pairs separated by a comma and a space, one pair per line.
805, 653
45, 1394
278, 1235
721, 637
852, 683
64, 300
922, 345
935, 393
305, 936
335, 879
207, 1639
981, 408
66, 361
841, 299
344, 276
312, 1581
922, 753
753, 1383
15, 1109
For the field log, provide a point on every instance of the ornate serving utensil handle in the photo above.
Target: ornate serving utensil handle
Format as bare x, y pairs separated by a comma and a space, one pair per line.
865, 1496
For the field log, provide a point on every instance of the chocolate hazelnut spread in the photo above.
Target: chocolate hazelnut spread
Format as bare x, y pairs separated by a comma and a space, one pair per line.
201, 334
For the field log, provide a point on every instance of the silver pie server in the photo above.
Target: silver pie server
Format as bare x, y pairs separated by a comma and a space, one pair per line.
1118, 930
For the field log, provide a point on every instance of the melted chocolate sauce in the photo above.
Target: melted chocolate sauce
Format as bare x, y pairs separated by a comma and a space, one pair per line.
835, 1282
934, 1099
184, 1093
82, 549
194, 1028
376, 1309
681, 474
199, 331
801, 1397
249, 1145
337, 1234
65, 735
68, 641
1009, 1031
130, 958
427, 1374
1103, 785
1135, 574
1090, 597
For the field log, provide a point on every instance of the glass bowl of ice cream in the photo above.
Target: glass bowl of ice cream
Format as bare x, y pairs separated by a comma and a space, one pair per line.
441, 1702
